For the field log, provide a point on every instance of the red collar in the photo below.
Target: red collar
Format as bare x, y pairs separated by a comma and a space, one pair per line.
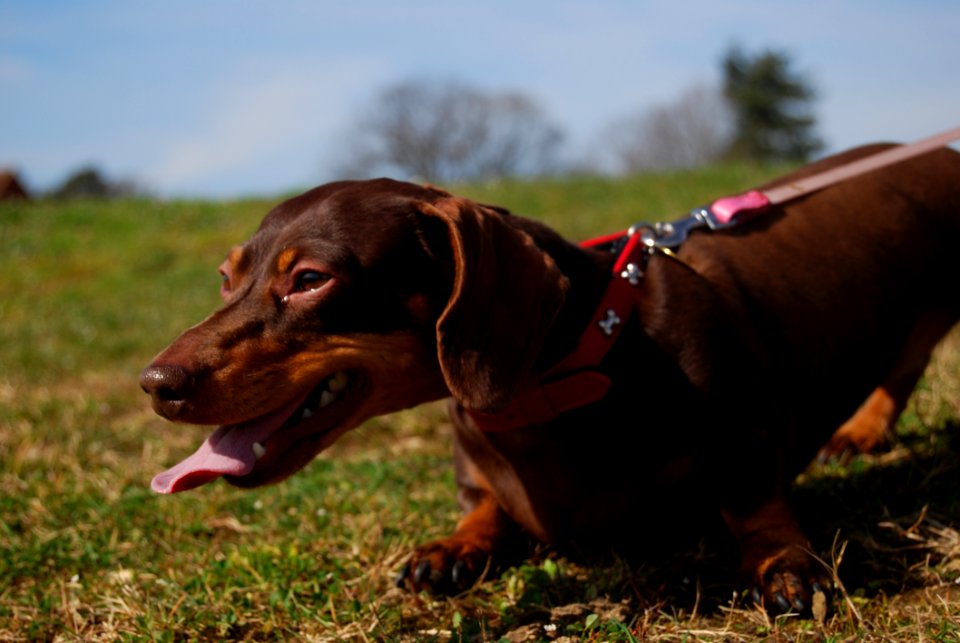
576, 380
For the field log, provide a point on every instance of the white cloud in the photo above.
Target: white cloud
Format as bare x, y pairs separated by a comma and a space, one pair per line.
259, 119
241, 125
13, 69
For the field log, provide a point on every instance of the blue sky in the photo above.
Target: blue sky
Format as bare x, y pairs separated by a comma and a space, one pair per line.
226, 98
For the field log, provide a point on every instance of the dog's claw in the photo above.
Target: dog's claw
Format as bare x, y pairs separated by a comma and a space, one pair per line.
422, 573
782, 602
402, 576
459, 574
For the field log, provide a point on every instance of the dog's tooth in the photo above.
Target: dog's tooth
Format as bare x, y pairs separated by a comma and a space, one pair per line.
327, 398
338, 381
258, 450
307, 414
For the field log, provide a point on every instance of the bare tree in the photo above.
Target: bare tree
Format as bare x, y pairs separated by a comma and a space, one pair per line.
445, 131
693, 130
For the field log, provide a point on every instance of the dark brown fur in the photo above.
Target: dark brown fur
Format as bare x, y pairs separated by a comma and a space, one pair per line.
748, 353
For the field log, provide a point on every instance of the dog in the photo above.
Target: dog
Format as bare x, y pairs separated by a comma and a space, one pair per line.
745, 354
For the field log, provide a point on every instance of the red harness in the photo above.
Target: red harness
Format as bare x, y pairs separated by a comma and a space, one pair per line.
575, 380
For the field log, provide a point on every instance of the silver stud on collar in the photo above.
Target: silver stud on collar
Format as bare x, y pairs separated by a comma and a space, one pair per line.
607, 324
632, 273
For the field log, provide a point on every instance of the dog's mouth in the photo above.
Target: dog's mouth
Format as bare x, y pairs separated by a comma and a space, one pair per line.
272, 446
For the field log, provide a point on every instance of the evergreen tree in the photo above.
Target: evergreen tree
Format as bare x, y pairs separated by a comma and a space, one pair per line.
773, 120
85, 183
89, 183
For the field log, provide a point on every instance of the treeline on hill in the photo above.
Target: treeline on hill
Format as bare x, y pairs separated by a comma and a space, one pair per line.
448, 131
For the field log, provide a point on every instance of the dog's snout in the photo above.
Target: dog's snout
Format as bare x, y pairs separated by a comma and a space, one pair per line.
169, 386
167, 382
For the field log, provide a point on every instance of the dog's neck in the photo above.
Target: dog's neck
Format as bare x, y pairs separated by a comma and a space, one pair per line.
588, 272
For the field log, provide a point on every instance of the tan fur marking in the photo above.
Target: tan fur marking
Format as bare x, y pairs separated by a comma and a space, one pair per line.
286, 259
234, 255
872, 425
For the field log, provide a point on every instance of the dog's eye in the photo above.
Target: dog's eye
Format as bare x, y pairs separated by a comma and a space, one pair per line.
224, 282
310, 280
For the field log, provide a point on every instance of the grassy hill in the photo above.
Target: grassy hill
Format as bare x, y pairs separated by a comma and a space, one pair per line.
89, 291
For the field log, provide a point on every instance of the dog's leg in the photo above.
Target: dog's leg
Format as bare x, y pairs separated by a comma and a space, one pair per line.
872, 425
455, 563
776, 556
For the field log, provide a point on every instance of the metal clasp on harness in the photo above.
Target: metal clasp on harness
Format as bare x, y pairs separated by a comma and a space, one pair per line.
670, 235
649, 238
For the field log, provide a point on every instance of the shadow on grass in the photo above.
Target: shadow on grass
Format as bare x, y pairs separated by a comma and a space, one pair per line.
894, 517
899, 515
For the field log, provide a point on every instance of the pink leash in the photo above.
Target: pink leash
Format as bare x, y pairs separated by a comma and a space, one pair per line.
734, 210
725, 209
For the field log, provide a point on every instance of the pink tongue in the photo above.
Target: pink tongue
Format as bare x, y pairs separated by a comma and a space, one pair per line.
228, 451
225, 452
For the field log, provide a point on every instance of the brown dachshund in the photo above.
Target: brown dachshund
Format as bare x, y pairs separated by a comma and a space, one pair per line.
742, 356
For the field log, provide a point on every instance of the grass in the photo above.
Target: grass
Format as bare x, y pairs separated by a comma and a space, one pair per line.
90, 291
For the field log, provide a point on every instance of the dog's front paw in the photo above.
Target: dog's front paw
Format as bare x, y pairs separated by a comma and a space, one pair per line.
868, 431
844, 445
788, 581
446, 566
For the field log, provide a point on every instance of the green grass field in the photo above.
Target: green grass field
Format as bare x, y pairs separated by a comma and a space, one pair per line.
90, 291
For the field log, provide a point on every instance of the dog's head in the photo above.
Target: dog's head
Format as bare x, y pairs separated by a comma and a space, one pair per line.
353, 300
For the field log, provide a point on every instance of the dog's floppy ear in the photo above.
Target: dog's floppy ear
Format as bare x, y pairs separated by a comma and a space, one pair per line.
506, 293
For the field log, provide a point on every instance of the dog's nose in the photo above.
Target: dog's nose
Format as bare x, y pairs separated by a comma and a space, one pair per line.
169, 385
